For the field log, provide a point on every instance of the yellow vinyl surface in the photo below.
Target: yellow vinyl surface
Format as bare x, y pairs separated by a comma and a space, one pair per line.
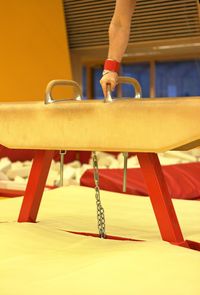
146, 125
42, 258
34, 49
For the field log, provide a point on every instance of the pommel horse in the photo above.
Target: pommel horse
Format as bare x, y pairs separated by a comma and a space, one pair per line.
143, 126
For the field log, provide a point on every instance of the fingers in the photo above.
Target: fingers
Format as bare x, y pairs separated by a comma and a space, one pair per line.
105, 83
111, 79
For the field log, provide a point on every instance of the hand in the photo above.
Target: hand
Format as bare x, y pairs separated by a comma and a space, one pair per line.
109, 78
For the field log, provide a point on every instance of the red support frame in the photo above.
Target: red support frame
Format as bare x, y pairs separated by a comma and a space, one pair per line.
160, 199
35, 187
152, 171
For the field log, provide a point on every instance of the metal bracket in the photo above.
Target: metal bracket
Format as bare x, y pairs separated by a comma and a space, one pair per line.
62, 156
108, 98
121, 80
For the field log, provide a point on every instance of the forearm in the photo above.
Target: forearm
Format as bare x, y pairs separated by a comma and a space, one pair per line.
119, 29
119, 32
118, 40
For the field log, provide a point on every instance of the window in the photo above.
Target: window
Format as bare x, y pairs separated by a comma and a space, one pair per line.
178, 78
140, 72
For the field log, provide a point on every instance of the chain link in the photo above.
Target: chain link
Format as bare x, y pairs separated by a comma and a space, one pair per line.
100, 210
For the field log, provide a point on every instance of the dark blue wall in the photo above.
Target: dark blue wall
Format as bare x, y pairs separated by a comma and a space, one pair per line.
178, 78
172, 79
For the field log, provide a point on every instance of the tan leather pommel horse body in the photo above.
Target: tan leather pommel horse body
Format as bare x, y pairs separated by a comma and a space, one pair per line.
144, 126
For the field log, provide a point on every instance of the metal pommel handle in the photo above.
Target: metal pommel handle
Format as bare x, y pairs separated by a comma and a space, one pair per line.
48, 93
126, 80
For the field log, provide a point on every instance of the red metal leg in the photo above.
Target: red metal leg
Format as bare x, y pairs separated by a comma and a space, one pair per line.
35, 186
160, 199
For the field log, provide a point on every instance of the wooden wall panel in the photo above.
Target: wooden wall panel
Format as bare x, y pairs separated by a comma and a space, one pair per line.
154, 20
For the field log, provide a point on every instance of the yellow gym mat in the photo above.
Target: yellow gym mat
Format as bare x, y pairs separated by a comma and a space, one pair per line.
42, 258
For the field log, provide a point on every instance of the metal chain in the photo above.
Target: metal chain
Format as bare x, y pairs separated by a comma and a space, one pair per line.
100, 210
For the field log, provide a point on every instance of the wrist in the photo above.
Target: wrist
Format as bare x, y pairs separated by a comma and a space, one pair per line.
111, 65
105, 72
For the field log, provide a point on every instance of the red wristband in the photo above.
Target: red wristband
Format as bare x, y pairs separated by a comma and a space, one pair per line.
111, 65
